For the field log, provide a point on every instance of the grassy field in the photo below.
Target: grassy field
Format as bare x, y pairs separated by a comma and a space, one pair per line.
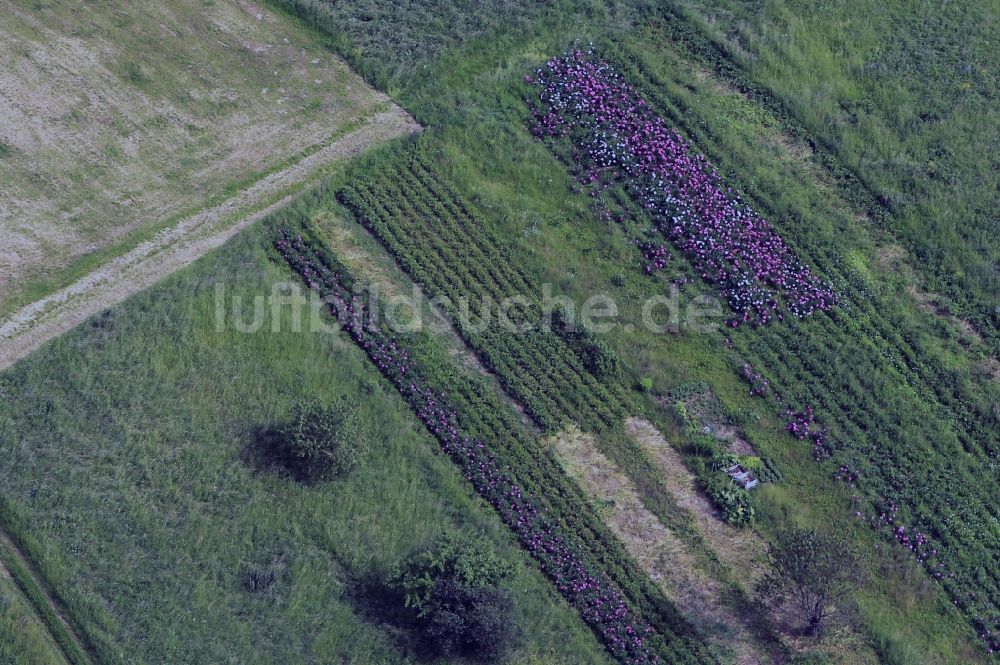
23, 638
127, 444
121, 119
133, 464
905, 104
930, 399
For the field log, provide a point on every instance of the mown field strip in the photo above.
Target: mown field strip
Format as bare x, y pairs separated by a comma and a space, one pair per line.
742, 550
182, 244
661, 553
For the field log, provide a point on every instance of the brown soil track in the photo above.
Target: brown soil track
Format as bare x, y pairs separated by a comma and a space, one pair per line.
183, 243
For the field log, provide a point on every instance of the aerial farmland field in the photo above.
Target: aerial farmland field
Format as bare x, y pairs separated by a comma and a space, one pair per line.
119, 122
499, 332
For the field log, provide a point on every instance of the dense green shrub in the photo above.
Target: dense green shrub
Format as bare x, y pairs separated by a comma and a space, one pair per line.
736, 504
704, 445
453, 591
451, 557
470, 621
318, 442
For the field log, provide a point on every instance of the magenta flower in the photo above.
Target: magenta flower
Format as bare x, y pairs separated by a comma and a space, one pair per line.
617, 138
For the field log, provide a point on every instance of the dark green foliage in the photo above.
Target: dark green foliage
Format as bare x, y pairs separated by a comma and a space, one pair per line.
597, 356
909, 390
703, 445
457, 558
811, 571
735, 503
318, 442
475, 622
257, 579
769, 473
454, 590
134, 74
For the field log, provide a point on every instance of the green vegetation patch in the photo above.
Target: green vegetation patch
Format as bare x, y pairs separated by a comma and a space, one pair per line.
128, 447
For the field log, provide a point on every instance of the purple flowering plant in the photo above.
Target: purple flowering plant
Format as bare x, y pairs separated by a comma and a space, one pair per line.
617, 136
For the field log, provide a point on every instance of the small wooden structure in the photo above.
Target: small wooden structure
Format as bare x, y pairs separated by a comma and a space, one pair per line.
745, 478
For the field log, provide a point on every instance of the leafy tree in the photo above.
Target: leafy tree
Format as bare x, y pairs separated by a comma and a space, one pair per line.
812, 571
470, 621
318, 442
453, 590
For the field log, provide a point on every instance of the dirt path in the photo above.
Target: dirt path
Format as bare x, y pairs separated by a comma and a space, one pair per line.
741, 550
659, 551
180, 245
55, 608
379, 269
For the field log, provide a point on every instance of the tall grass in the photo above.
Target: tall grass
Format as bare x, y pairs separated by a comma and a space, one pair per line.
128, 449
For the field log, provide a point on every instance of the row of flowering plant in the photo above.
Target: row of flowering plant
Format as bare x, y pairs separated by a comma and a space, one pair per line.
804, 427
655, 255
617, 137
600, 125
758, 384
599, 601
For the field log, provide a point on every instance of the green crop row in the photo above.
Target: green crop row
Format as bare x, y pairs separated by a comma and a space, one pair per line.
445, 249
923, 438
481, 414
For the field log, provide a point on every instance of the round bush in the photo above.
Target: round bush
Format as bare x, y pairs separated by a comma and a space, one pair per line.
454, 595
318, 442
